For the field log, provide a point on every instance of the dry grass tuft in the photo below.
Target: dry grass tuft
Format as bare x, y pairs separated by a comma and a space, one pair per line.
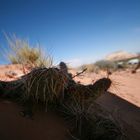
45, 86
105, 65
21, 52
89, 121
90, 68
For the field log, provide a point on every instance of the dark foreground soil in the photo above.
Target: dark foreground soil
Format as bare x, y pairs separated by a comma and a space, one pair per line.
126, 113
44, 126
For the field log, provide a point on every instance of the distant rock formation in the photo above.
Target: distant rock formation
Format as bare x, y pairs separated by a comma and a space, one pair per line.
120, 55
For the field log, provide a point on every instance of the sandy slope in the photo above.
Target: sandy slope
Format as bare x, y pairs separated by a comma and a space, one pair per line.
127, 86
45, 126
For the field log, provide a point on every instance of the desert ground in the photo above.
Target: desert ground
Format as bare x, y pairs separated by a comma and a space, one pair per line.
122, 101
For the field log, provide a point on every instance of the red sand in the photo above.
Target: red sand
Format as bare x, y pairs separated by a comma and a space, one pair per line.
123, 102
45, 126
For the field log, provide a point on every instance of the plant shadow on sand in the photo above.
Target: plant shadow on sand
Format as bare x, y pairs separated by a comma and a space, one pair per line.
44, 125
125, 112
52, 127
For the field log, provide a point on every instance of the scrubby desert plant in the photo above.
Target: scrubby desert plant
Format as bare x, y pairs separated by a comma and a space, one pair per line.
90, 68
105, 65
76, 114
44, 86
21, 52
90, 122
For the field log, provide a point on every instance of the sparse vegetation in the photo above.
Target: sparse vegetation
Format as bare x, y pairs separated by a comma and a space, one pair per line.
99, 65
90, 68
45, 86
21, 52
105, 65
90, 122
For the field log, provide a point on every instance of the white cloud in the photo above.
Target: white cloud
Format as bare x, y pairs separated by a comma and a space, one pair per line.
74, 62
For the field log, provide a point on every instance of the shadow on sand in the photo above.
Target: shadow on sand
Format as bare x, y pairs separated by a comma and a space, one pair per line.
127, 113
47, 126
44, 126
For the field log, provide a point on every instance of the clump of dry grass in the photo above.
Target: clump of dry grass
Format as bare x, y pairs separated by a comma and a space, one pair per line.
90, 68
21, 52
85, 92
101, 86
45, 86
90, 122
99, 65
78, 91
87, 120
105, 65
74, 113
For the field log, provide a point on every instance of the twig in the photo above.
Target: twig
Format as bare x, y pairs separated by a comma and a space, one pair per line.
79, 73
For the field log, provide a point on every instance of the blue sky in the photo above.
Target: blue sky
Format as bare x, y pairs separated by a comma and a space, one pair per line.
75, 31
